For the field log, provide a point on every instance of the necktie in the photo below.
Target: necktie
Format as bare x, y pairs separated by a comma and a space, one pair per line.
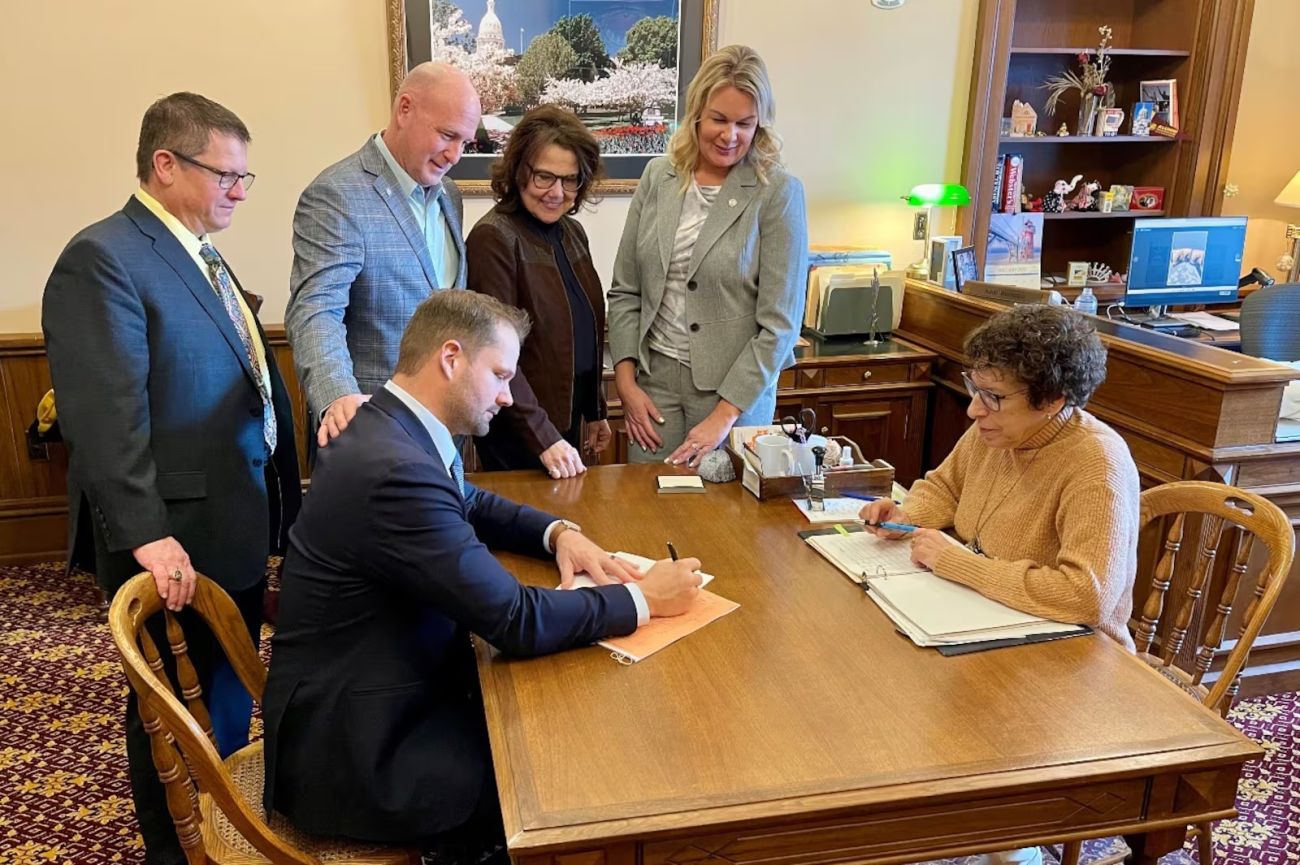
434, 235
458, 473
225, 290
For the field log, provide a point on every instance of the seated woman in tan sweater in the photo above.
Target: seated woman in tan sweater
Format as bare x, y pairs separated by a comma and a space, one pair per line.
1041, 496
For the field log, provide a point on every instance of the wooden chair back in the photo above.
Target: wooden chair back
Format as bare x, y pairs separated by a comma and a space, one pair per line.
1246, 517
180, 733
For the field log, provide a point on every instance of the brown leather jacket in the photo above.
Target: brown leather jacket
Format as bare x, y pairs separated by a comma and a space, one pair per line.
508, 258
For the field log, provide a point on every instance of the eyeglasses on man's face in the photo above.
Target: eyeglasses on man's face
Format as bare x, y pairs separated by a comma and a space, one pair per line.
225, 179
544, 180
991, 401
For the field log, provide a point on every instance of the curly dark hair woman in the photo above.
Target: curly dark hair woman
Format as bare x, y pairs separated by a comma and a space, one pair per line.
1040, 498
1053, 350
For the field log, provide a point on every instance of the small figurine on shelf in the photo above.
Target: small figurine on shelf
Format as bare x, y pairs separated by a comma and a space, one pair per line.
1064, 131
1054, 201
1029, 204
1086, 198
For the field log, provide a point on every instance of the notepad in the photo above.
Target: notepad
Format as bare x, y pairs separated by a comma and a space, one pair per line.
930, 610
680, 484
661, 632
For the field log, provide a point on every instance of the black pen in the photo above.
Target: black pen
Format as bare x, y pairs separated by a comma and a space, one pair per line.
672, 551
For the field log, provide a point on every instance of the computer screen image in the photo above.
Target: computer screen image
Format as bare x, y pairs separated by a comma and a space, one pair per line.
1183, 261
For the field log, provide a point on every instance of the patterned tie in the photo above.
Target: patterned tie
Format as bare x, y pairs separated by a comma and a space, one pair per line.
458, 473
226, 292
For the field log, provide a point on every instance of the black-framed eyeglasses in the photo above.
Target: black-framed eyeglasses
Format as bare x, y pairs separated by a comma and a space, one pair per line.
544, 180
992, 401
225, 179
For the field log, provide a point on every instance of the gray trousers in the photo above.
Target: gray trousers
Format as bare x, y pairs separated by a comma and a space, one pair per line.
683, 405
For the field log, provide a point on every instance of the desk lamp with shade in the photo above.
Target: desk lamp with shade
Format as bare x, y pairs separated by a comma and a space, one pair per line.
930, 196
1290, 197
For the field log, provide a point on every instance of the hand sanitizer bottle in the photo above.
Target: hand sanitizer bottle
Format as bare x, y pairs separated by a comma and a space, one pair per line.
1087, 301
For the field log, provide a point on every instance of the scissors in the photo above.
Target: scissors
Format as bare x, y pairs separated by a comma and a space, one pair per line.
799, 429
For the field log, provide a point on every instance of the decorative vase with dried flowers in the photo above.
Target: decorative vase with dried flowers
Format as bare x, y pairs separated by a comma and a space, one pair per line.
1095, 92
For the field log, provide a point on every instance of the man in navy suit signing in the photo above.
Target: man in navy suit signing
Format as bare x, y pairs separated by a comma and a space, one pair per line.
178, 426
374, 727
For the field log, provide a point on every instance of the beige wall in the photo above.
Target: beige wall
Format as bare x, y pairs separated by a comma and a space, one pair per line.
1266, 146
865, 112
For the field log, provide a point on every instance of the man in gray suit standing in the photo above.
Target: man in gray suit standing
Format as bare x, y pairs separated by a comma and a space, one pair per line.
373, 236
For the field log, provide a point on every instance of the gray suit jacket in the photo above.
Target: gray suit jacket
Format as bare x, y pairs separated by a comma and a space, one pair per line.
360, 268
746, 282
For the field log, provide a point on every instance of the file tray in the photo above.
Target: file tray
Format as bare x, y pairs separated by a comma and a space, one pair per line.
873, 478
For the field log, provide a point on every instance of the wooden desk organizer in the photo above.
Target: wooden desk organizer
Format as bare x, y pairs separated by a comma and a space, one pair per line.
873, 478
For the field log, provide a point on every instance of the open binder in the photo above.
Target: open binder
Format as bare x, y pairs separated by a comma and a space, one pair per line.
930, 610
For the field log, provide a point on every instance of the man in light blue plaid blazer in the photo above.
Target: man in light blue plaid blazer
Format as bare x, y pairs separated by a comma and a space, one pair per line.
373, 236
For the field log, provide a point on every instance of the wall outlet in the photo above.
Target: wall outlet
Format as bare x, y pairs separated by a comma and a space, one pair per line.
920, 222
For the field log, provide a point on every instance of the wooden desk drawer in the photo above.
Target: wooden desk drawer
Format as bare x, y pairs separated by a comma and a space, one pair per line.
799, 379
927, 827
861, 375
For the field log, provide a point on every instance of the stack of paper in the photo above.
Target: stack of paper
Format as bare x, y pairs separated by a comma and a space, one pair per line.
838, 509
661, 632
930, 610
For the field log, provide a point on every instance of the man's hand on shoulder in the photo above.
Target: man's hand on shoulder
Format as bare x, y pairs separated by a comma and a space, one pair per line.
670, 587
576, 553
338, 416
172, 572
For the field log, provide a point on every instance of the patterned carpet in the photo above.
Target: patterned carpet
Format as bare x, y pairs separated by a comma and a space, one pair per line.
64, 796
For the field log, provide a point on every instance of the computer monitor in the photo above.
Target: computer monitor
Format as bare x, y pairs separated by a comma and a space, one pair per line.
1181, 261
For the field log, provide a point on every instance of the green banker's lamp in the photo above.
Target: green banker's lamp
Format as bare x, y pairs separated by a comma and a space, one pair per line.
930, 196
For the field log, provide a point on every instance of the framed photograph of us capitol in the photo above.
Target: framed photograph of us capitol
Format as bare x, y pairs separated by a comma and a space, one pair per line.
621, 65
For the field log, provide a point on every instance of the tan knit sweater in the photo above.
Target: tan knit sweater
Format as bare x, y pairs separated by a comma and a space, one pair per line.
1057, 519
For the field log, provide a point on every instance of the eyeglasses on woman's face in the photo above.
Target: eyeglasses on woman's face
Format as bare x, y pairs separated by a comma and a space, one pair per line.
544, 180
991, 400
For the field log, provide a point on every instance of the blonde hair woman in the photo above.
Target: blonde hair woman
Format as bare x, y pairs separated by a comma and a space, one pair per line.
708, 286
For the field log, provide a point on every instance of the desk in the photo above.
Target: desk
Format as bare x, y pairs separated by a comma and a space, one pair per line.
802, 728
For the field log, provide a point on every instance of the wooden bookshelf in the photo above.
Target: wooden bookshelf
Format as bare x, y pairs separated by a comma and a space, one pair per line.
1020, 43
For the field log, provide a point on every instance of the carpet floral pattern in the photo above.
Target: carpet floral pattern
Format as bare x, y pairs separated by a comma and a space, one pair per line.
65, 800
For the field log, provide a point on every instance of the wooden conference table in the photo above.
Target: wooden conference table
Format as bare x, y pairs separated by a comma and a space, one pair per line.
802, 729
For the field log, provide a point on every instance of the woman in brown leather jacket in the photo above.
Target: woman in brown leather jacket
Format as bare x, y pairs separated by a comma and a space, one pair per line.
530, 252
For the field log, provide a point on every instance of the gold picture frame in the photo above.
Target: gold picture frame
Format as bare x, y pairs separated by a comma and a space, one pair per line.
697, 39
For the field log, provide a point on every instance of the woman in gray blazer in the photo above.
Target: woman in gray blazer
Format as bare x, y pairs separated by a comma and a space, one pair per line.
708, 288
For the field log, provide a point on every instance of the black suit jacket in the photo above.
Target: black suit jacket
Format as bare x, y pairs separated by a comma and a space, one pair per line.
374, 729
159, 408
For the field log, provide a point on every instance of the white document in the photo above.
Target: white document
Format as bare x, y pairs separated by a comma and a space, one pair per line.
1207, 321
582, 581
930, 610
839, 509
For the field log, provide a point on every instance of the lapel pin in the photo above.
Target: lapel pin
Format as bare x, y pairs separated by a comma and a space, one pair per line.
732, 202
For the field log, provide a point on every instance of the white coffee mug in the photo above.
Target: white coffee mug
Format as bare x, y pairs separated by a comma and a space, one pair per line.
774, 457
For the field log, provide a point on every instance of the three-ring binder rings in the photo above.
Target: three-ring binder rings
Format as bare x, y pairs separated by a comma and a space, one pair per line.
930, 610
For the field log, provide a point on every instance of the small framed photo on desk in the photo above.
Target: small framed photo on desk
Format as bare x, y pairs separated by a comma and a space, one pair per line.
964, 265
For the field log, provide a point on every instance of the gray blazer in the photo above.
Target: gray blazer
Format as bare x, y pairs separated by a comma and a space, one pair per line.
746, 280
360, 268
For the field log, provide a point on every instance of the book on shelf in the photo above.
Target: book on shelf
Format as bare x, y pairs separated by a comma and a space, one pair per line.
998, 168
1012, 182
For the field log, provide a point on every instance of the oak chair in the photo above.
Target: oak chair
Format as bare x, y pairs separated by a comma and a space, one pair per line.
1246, 517
221, 820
